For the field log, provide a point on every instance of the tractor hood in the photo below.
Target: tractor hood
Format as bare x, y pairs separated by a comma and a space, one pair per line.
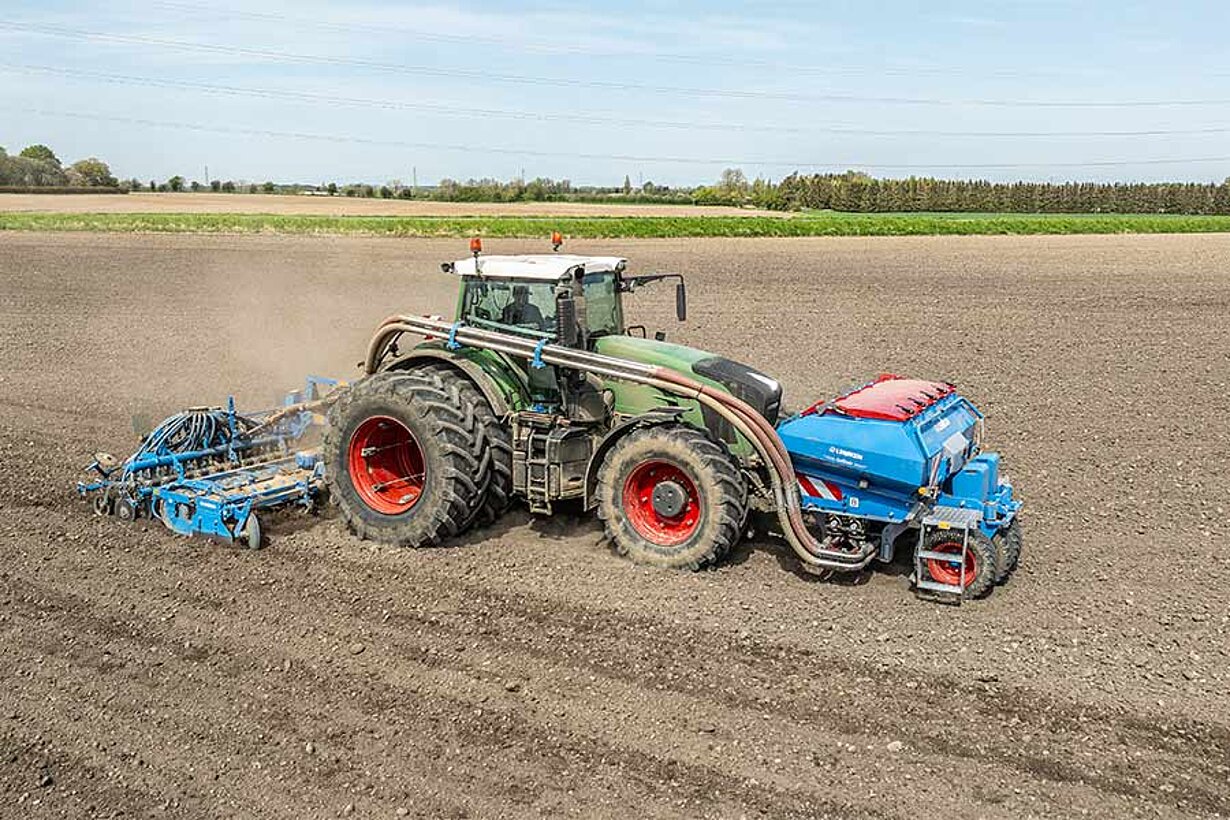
760, 391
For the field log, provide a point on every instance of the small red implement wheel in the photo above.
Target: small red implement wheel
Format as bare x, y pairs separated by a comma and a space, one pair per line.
980, 561
386, 465
949, 572
662, 503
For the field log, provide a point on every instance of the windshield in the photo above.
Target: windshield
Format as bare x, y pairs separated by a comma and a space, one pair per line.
602, 313
524, 306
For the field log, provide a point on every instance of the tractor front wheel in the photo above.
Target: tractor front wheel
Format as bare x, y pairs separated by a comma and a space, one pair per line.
401, 459
671, 496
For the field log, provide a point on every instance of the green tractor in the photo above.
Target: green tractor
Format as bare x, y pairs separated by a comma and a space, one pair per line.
538, 389
442, 436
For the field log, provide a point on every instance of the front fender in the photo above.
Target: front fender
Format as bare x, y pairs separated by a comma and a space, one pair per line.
651, 418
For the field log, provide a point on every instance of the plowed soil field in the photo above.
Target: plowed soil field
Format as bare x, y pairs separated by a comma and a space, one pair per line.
526, 670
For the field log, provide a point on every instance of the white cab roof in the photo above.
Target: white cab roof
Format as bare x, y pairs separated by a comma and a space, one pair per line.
550, 267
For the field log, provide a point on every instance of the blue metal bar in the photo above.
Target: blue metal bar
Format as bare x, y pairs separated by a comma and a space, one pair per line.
173, 459
537, 363
452, 343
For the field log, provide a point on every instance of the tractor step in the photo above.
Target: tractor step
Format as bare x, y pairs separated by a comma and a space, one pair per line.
550, 456
950, 557
952, 518
960, 520
935, 586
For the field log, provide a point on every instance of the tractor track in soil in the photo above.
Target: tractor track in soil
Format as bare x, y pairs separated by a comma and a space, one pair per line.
527, 671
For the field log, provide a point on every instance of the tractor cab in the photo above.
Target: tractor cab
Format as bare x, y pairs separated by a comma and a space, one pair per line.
577, 302
567, 299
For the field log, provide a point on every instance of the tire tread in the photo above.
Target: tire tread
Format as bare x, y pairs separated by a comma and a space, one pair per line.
443, 410
729, 508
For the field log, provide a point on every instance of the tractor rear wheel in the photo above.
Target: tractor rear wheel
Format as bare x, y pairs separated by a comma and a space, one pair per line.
981, 560
401, 458
492, 443
672, 496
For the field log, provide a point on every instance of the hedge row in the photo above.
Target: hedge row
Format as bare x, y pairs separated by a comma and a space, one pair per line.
64, 189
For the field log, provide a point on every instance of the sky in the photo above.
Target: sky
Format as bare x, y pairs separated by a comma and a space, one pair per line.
669, 92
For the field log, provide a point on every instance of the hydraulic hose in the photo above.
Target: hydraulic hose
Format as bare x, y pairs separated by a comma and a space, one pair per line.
782, 475
746, 420
294, 409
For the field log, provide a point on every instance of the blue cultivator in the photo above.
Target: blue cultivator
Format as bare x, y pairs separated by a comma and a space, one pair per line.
207, 471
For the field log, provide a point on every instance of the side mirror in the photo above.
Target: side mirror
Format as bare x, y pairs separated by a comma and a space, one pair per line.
681, 302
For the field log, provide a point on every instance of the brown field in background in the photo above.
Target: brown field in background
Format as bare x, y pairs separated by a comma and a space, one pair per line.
141, 203
528, 671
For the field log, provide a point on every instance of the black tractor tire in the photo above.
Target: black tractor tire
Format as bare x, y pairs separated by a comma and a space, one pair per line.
1011, 542
981, 562
704, 481
444, 429
492, 443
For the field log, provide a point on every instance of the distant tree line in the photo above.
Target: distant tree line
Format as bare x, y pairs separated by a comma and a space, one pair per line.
493, 190
858, 192
178, 184
854, 191
851, 191
544, 189
37, 166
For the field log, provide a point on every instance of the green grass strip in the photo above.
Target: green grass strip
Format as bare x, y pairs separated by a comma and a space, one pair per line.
618, 227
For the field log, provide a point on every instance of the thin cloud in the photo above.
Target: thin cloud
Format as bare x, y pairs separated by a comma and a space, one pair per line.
978, 22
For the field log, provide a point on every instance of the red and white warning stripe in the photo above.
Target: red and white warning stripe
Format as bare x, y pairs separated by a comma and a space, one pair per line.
818, 488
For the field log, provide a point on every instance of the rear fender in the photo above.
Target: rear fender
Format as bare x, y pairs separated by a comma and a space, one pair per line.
501, 384
651, 418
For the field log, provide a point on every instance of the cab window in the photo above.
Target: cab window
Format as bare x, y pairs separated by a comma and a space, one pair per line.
602, 312
528, 307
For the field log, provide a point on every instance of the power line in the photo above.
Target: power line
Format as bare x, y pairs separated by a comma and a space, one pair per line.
316, 59
528, 152
553, 47
592, 118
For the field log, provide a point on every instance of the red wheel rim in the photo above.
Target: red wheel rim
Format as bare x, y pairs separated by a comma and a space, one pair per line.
386, 465
654, 526
949, 572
